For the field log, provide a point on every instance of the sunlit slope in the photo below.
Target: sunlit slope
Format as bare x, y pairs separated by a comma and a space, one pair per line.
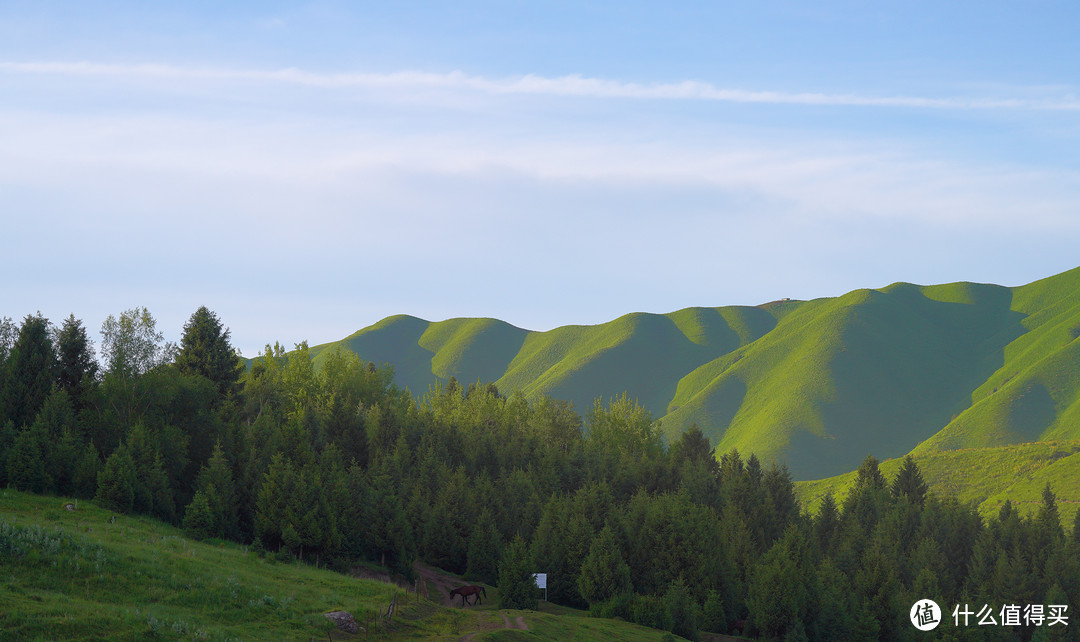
985, 476
817, 384
873, 371
1035, 394
642, 354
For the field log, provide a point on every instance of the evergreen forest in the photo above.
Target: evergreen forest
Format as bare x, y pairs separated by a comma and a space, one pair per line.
333, 464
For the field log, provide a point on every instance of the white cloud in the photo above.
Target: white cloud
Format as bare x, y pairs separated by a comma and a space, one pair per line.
565, 86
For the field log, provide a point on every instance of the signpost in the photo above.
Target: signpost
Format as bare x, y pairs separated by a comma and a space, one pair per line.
541, 582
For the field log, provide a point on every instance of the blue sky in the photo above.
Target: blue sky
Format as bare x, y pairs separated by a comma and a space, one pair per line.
305, 169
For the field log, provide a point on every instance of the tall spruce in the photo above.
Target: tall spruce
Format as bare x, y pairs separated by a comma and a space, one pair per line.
30, 370
205, 350
76, 368
517, 589
908, 483
604, 573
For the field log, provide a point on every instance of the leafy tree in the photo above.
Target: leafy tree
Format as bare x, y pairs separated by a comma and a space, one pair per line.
205, 350
132, 344
624, 425
8, 333
517, 588
713, 614
604, 574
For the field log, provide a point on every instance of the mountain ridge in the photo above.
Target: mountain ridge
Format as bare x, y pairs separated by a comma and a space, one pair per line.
815, 384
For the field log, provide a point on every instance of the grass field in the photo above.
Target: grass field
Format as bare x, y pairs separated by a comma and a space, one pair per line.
90, 574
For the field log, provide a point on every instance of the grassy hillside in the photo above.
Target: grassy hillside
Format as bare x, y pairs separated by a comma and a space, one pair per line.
984, 476
643, 354
93, 575
816, 384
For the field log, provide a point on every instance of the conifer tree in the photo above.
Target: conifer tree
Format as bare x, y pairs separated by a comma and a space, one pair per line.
27, 467
77, 368
685, 618
198, 518
215, 481
604, 574
84, 479
517, 588
485, 549
116, 482
205, 350
908, 483
30, 369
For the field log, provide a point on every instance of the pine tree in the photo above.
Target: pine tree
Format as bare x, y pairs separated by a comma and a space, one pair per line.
27, 460
604, 574
77, 367
485, 549
215, 481
517, 588
116, 482
205, 350
685, 618
84, 479
908, 483
29, 373
198, 518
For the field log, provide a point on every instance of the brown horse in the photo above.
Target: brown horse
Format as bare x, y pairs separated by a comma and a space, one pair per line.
466, 591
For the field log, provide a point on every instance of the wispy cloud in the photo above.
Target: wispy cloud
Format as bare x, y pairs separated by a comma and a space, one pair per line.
570, 86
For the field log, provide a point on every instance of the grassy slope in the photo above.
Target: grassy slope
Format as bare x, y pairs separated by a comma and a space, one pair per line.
872, 371
1035, 394
84, 577
643, 354
985, 476
817, 384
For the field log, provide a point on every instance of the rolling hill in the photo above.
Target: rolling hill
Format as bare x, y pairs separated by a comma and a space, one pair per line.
816, 384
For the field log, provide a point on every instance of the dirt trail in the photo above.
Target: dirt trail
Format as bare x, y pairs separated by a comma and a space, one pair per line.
439, 584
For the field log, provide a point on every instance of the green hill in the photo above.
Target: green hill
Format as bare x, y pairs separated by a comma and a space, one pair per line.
91, 574
816, 384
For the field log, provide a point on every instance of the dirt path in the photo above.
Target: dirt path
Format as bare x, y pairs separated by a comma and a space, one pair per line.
437, 583
519, 622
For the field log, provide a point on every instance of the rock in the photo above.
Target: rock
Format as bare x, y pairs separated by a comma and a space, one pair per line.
343, 620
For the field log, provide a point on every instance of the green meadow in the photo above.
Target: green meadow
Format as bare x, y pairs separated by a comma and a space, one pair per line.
91, 574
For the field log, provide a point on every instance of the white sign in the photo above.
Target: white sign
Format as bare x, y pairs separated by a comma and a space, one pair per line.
541, 580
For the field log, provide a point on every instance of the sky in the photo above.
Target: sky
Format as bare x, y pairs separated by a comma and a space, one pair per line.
306, 169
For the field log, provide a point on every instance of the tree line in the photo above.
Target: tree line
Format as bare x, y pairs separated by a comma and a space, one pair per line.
336, 464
